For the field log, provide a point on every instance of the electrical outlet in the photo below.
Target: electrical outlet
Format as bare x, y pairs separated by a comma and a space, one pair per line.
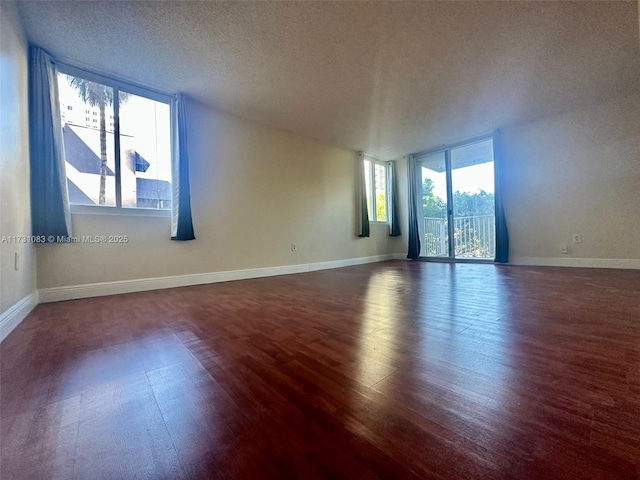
294, 247
577, 238
564, 249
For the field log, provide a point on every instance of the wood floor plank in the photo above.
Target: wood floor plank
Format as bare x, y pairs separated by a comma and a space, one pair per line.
392, 370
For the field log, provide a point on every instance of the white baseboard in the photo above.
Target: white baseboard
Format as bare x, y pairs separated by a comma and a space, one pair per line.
348, 262
12, 317
400, 256
631, 263
56, 294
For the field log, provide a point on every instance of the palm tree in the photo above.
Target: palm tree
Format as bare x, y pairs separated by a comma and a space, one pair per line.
96, 94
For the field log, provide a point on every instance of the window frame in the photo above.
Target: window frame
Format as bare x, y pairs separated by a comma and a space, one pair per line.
371, 200
120, 85
446, 150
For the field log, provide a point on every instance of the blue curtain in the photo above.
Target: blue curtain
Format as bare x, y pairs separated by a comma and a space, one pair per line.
362, 212
414, 235
502, 234
181, 222
50, 215
392, 204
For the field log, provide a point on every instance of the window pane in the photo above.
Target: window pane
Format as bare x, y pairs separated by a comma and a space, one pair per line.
145, 152
367, 182
434, 206
88, 140
472, 183
381, 192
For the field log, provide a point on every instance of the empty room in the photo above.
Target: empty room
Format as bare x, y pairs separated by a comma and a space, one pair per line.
300, 239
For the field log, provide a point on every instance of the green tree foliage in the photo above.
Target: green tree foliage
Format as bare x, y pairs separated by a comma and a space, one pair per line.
381, 207
465, 204
432, 205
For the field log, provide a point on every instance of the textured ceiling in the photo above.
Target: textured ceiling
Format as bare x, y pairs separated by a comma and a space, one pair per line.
385, 77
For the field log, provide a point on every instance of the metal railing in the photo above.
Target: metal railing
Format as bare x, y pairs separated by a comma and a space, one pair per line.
436, 237
473, 237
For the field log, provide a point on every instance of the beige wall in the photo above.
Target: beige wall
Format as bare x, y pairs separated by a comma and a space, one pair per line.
576, 173
15, 214
255, 190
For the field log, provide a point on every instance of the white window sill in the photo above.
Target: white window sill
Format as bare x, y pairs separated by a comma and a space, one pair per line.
101, 210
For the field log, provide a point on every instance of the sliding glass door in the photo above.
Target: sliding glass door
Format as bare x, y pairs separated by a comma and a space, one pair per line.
458, 206
435, 205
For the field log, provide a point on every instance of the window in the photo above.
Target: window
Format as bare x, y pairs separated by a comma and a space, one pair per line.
123, 158
375, 175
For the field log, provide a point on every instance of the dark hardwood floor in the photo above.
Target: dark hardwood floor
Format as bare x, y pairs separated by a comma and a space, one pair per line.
391, 370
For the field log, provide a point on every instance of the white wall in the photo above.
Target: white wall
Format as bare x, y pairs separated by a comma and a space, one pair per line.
576, 173
255, 190
15, 213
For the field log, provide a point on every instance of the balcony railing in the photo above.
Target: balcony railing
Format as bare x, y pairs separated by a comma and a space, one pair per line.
473, 237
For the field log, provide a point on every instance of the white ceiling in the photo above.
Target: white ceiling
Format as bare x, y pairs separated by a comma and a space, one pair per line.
385, 77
